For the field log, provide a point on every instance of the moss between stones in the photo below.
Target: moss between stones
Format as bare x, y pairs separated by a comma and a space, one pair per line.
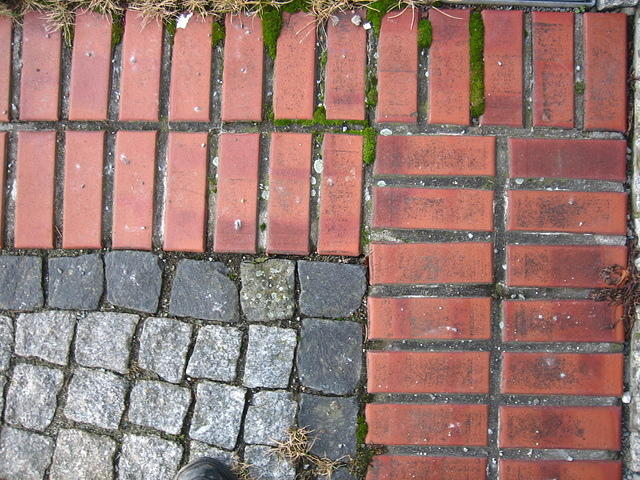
171, 26
476, 47
369, 149
579, 88
361, 429
377, 10
217, 33
371, 98
271, 26
425, 33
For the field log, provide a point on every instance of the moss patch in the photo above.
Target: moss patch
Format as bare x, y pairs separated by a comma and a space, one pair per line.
376, 10
371, 98
361, 429
271, 26
324, 56
425, 33
369, 149
170, 26
476, 34
360, 464
117, 30
579, 88
217, 33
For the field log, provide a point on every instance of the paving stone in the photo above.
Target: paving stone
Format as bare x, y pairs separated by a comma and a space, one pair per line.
20, 282
216, 352
268, 290
329, 357
218, 414
24, 455
133, 280
159, 405
201, 289
163, 347
80, 454
634, 451
75, 282
148, 458
46, 335
330, 289
6, 342
31, 398
103, 340
341, 473
3, 382
611, 4
266, 465
199, 449
95, 397
269, 356
269, 418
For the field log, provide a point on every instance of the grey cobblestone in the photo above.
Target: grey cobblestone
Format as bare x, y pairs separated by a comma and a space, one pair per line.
266, 465
163, 347
134, 280
46, 335
20, 283
216, 352
158, 405
269, 356
6, 342
82, 455
24, 455
269, 418
148, 458
75, 282
199, 449
268, 290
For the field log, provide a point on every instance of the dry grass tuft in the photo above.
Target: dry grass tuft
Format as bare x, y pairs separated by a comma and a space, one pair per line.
110, 8
241, 470
161, 10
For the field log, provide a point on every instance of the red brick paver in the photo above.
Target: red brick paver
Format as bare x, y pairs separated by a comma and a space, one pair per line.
391, 467
6, 29
565, 470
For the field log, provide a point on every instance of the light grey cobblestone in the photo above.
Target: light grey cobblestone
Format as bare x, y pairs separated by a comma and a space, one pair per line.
216, 353
24, 455
134, 280
268, 290
6, 342
148, 458
163, 347
46, 335
158, 405
269, 418
199, 449
269, 356
75, 282
82, 455
264, 464
20, 283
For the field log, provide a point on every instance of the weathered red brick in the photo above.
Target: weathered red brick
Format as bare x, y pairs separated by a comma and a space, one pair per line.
568, 158
5, 67
553, 88
90, 67
427, 263
82, 201
35, 174
577, 266
40, 76
394, 467
596, 428
237, 196
185, 198
3, 166
449, 67
133, 188
417, 424
426, 317
565, 470
435, 155
503, 67
340, 195
242, 73
398, 68
605, 71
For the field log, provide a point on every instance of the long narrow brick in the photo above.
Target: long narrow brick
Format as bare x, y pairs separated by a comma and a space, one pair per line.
429, 263
435, 155
394, 467
185, 197
397, 318
345, 70
605, 71
3, 167
133, 188
237, 197
553, 88
576, 212
578, 266
416, 424
40, 76
503, 67
598, 374
6, 27
35, 174
562, 321
595, 428
242, 73
288, 211
294, 68
82, 200
449, 67
565, 470
90, 67
433, 208
568, 158
398, 68
428, 372
141, 63
340, 195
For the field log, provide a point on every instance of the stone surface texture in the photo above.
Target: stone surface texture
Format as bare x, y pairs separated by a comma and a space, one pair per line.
263, 464
76, 282
148, 458
163, 347
80, 454
133, 279
20, 282
6, 341
46, 335
269, 356
24, 455
269, 418
158, 405
216, 353
268, 290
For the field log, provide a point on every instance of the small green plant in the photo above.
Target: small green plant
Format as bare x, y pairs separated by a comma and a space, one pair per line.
361, 429
579, 88
117, 30
263, 227
369, 148
371, 98
271, 26
217, 34
425, 33
213, 185
476, 31
376, 10
171, 26
324, 56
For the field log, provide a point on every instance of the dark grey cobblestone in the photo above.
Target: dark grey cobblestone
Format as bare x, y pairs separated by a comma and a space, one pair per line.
20, 283
163, 347
75, 282
269, 356
82, 455
268, 290
46, 335
269, 418
134, 280
24, 455
158, 405
216, 353
6, 341
148, 458
266, 465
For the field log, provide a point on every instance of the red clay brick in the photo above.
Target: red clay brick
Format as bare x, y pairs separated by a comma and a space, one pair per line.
82, 205
133, 188
565, 470
40, 77
578, 212
340, 195
237, 197
415, 424
433, 208
449, 67
428, 372
242, 73
35, 175
562, 321
553, 69
577, 266
567, 158
5, 67
427, 263
140, 77
90, 67
597, 374
185, 198
398, 68
294, 69
432, 318
503, 67
435, 155
191, 71
3, 167
605, 71
596, 428
392, 467
345, 71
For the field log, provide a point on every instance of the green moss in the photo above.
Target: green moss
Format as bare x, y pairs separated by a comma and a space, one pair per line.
170, 26
217, 34
360, 464
361, 429
213, 185
263, 227
425, 33
579, 88
271, 26
476, 34
371, 98
323, 58
295, 6
376, 10
117, 30
369, 148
